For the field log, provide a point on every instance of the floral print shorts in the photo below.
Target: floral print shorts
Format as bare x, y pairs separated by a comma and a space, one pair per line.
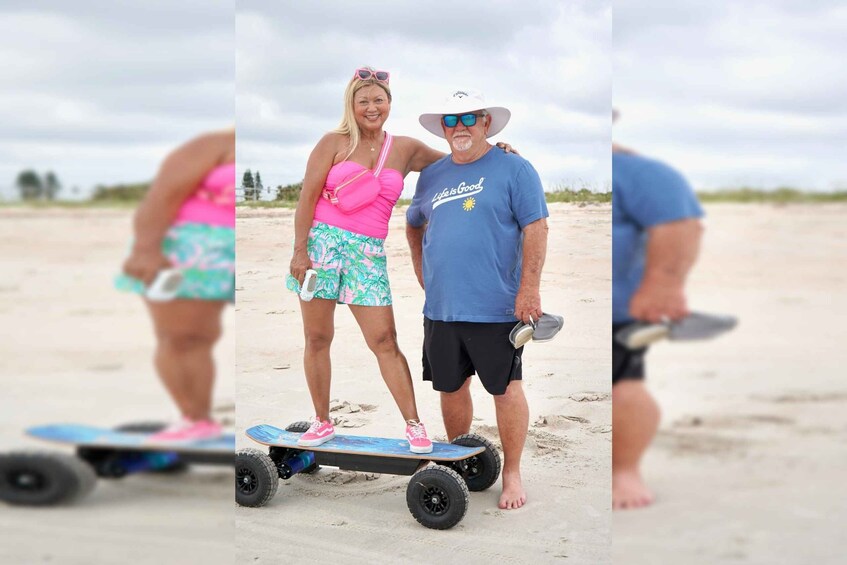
206, 256
351, 268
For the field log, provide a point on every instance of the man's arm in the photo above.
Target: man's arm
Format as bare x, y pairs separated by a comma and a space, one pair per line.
528, 300
672, 250
414, 235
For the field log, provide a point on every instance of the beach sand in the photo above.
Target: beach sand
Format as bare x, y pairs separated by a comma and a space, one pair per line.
750, 459
76, 350
362, 518
748, 466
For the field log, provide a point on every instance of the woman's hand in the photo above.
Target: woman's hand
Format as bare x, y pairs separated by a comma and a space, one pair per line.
507, 148
145, 264
300, 263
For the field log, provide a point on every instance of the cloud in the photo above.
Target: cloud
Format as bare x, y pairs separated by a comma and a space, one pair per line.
735, 91
115, 84
548, 61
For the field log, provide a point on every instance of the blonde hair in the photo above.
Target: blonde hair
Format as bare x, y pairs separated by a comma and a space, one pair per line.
348, 125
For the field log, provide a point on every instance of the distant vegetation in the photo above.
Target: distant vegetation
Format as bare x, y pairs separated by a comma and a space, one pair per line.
120, 192
288, 195
289, 192
582, 196
34, 187
43, 190
785, 195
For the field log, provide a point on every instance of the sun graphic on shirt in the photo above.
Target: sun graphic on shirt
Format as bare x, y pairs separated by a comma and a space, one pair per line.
468, 204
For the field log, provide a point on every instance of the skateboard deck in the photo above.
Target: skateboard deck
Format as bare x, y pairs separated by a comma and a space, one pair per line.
362, 445
91, 436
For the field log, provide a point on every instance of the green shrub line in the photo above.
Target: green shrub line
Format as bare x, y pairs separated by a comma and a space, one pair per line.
70, 204
581, 197
128, 196
784, 195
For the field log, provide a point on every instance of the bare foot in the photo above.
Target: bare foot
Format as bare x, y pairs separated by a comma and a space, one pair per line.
513, 495
629, 491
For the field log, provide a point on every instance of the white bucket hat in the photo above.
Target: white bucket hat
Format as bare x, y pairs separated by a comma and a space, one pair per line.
461, 102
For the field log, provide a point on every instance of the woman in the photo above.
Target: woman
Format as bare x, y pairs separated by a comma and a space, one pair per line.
187, 221
346, 250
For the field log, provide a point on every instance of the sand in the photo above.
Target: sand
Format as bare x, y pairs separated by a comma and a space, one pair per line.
363, 518
750, 460
748, 466
75, 350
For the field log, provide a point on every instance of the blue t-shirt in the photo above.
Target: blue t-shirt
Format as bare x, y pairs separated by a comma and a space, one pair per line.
645, 193
473, 244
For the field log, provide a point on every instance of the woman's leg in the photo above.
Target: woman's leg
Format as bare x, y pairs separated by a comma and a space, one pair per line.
318, 330
186, 332
377, 325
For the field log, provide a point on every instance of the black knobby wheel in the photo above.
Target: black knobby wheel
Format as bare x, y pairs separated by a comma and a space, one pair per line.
437, 497
39, 478
302, 427
256, 478
480, 471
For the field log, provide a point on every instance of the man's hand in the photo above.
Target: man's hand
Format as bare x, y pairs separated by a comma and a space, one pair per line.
658, 303
528, 303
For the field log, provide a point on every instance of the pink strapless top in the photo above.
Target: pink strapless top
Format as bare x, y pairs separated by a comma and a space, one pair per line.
371, 220
213, 203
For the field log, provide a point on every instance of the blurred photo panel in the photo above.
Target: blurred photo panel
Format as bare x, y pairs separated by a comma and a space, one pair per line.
729, 190
117, 231
409, 287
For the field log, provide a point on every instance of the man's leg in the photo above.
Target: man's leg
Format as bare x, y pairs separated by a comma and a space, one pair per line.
635, 419
512, 423
457, 410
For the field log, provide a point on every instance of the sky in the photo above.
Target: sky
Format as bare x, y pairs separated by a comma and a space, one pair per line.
99, 91
548, 61
749, 93
734, 93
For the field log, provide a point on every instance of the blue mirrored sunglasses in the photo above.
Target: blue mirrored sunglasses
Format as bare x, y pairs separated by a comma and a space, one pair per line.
468, 120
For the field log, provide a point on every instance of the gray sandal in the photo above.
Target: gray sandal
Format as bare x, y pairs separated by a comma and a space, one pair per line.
547, 326
695, 326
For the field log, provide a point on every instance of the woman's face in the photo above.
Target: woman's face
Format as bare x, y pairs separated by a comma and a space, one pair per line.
371, 108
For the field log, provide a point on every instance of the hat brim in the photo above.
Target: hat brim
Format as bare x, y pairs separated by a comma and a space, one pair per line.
499, 118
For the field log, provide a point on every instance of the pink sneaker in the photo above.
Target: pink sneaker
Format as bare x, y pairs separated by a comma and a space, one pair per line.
416, 434
188, 430
318, 433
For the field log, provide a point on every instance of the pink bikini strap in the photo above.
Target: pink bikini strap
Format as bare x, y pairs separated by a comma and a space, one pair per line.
383, 154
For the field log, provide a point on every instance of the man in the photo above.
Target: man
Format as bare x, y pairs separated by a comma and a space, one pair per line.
655, 240
477, 230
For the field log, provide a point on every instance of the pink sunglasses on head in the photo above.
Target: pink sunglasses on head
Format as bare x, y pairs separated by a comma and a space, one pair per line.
365, 74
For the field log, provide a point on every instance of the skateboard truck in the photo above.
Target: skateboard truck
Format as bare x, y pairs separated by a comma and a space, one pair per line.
112, 464
294, 463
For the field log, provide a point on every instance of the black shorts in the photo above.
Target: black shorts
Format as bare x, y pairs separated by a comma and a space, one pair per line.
627, 364
453, 351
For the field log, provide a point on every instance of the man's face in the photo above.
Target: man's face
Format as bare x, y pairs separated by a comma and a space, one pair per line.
462, 137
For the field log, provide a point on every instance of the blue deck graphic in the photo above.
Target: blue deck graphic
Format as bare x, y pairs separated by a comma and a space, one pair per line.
378, 446
90, 435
